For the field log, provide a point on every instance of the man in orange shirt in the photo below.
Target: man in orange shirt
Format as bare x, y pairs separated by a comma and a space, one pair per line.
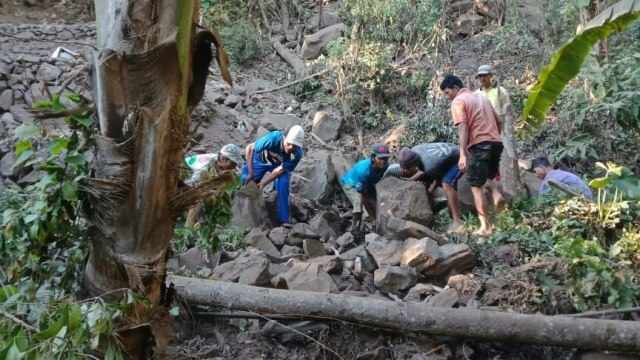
479, 130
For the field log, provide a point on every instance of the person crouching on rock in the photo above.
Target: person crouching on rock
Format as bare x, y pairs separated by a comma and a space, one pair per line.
277, 155
359, 185
206, 165
435, 164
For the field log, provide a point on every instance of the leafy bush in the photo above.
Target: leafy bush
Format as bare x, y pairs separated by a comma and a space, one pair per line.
243, 38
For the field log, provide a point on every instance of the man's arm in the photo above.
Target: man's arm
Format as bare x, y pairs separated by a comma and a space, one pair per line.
463, 138
498, 120
248, 153
276, 173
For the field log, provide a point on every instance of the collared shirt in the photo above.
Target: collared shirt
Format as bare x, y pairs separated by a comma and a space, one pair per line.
499, 98
269, 150
572, 181
362, 175
477, 111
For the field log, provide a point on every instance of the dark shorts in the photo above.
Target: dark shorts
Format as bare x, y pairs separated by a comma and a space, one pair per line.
483, 162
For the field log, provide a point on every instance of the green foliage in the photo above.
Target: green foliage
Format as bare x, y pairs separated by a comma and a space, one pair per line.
388, 21
43, 253
432, 125
242, 36
567, 61
598, 241
212, 234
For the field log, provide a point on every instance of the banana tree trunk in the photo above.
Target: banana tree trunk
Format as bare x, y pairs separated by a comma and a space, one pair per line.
142, 73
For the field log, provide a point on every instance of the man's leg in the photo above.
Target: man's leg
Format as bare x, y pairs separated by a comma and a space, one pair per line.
282, 188
494, 170
482, 206
355, 198
477, 175
448, 185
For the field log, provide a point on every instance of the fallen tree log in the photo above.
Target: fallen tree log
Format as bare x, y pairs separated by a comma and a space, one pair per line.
415, 317
292, 59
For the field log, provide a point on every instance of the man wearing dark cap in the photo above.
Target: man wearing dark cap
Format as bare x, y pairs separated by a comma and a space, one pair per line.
359, 184
480, 142
542, 167
435, 164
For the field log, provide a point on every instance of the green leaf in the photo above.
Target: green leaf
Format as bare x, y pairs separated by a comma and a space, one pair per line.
69, 192
58, 144
30, 218
600, 183
76, 98
85, 121
75, 317
51, 331
23, 157
13, 353
8, 291
22, 146
26, 131
567, 61
77, 159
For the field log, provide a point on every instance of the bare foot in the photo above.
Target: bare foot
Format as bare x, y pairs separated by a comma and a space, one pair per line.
483, 232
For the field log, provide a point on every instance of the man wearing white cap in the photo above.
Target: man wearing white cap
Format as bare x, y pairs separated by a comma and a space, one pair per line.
497, 95
228, 158
277, 155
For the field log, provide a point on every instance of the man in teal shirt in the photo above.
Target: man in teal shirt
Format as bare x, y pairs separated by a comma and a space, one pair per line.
359, 184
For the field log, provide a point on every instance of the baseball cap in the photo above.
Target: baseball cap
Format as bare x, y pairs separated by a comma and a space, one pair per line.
484, 69
295, 136
233, 153
381, 151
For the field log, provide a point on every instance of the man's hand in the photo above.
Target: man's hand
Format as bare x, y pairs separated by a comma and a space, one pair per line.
462, 163
262, 185
249, 177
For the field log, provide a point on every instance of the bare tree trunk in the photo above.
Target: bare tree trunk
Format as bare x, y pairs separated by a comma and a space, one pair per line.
509, 170
415, 317
292, 59
143, 73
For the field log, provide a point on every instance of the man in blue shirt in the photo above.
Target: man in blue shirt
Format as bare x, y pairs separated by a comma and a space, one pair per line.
277, 155
542, 167
359, 183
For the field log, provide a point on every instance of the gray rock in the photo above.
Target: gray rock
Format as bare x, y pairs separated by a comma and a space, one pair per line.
280, 122
306, 277
451, 256
384, 252
420, 291
288, 250
31, 178
6, 166
345, 240
317, 176
257, 275
420, 253
48, 72
359, 252
403, 229
406, 200
6, 99
232, 100
326, 224
231, 271
340, 164
315, 43
258, 239
448, 298
313, 248
315, 22
298, 233
249, 208
394, 279
468, 24
193, 259
25, 35
329, 263
278, 236
326, 125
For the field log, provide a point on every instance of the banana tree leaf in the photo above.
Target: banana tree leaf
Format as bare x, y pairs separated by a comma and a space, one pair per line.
567, 61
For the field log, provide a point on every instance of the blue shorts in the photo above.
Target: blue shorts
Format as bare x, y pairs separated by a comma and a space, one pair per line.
452, 175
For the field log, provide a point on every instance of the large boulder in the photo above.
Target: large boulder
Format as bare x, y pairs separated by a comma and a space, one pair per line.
468, 24
305, 277
394, 279
316, 176
259, 240
249, 208
406, 200
314, 44
384, 252
327, 224
326, 125
232, 270
272, 121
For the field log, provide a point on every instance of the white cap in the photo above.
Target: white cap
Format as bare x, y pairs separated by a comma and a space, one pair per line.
484, 69
295, 136
232, 152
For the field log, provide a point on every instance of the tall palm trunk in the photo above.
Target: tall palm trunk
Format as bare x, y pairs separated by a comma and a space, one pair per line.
142, 71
